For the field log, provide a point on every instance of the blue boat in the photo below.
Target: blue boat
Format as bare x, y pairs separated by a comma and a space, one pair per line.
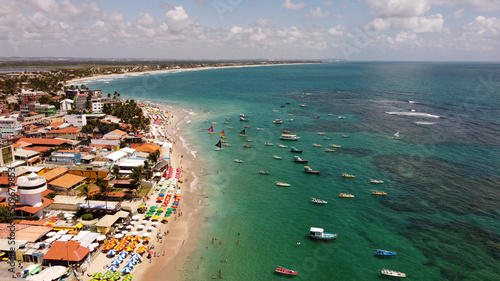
295, 150
319, 233
384, 253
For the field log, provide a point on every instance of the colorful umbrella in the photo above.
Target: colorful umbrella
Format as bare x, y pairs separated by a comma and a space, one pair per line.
108, 274
134, 260
112, 252
113, 268
116, 262
127, 277
97, 275
130, 264
135, 256
127, 270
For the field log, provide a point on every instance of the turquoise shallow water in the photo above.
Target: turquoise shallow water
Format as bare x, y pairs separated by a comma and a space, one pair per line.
441, 213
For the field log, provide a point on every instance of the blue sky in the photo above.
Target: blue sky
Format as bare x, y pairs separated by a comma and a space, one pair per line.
373, 30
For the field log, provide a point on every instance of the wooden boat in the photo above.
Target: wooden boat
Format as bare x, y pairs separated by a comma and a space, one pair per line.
345, 195
243, 133
226, 144
376, 181
248, 127
319, 201
215, 123
286, 132
283, 146
211, 130
222, 134
329, 150
319, 233
336, 146
238, 161
348, 176
392, 273
321, 134
384, 253
278, 121
248, 140
308, 170
219, 146
247, 146
277, 157
316, 145
283, 270
263, 172
303, 105
297, 159
282, 184
295, 150
376, 192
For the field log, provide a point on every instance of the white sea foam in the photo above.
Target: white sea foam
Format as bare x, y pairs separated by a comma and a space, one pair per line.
425, 123
194, 182
416, 114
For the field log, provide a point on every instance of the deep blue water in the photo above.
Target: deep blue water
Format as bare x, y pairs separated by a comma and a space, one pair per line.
441, 213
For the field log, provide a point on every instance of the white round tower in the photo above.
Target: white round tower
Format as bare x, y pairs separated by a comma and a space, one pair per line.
30, 189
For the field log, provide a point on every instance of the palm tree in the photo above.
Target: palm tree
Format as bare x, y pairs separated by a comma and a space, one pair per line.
115, 170
147, 167
105, 189
136, 176
87, 193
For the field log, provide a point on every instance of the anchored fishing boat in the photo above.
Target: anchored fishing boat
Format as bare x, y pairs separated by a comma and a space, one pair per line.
278, 121
316, 145
295, 150
319, 201
283, 270
345, 195
283, 146
263, 172
329, 150
299, 160
319, 233
321, 134
377, 192
282, 184
376, 181
348, 176
336, 146
277, 157
238, 161
392, 273
308, 170
384, 253
247, 146
268, 144
244, 119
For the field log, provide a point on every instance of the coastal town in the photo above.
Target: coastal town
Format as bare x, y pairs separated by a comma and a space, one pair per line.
91, 183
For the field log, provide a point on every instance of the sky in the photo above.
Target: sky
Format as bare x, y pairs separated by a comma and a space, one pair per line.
367, 30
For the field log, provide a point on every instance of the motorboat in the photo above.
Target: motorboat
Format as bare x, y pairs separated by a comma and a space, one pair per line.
244, 119
321, 134
263, 172
295, 150
348, 176
248, 127
319, 233
346, 136
260, 129
243, 115
248, 140
230, 128
303, 105
345, 195
299, 160
329, 150
384, 253
392, 273
286, 132
330, 114
226, 144
289, 120
319, 201
278, 121
376, 181
283, 270
341, 117
238, 161
316, 145
327, 138
336, 146
377, 192
277, 157
282, 146
316, 116
282, 184
268, 144
289, 137
247, 146
308, 170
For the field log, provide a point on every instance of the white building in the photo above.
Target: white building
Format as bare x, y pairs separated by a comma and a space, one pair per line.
30, 190
97, 105
77, 120
66, 105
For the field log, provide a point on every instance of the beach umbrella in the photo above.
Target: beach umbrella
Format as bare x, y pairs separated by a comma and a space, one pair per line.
98, 275
124, 232
130, 264
111, 252
133, 222
140, 227
123, 253
113, 268
128, 277
134, 234
135, 256
127, 270
134, 259
136, 217
116, 262
129, 227
108, 274
146, 239
119, 235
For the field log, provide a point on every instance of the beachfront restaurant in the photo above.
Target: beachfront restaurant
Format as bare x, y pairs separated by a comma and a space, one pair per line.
105, 224
66, 252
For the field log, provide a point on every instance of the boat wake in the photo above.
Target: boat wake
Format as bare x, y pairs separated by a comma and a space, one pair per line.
416, 114
425, 123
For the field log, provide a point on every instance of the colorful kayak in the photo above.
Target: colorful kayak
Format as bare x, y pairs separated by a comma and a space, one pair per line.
283, 270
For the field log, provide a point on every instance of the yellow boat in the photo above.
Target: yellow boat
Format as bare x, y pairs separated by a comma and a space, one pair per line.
347, 176
226, 144
345, 195
321, 134
335, 145
376, 192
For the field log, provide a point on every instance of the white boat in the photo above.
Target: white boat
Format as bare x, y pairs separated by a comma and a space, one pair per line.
289, 137
341, 117
319, 233
282, 184
268, 144
396, 136
316, 145
278, 121
319, 201
289, 120
277, 157
282, 146
238, 161
243, 115
376, 181
392, 273
260, 129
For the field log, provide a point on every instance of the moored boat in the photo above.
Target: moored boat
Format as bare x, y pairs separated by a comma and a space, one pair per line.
319, 233
283, 146
321, 134
278, 121
248, 140
329, 150
345, 195
316, 145
341, 117
303, 105
316, 116
308, 170
243, 115
247, 146
384, 253
226, 144
378, 192
289, 137
348, 176
319, 201
376, 181
263, 172
230, 128
336, 146
295, 150
327, 138
277, 157
244, 119
283, 270
268, 144
286, 132
248, 127
346, 136
299, 160
243, 133
392, 273
396, 136
238, 161
260, 129
282, 184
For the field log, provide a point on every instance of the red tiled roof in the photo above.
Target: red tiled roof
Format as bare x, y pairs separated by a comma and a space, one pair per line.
54, 173
56, 124
67, 181
65, 130
147, 147
41, 141
121, 133
40, 149
32, 210
66, 251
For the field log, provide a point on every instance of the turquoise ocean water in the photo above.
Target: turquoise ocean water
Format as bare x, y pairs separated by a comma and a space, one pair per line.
441, 214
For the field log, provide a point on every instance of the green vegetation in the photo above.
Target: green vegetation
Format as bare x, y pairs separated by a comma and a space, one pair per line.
5, 214
50, 195
87, 217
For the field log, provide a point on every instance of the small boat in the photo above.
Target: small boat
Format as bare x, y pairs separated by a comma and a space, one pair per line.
219, 146
260, 129
248, 140
341, 117
247, 146
230, 128
263, 172
384, 253
303, 105
243, 133
317, 116
244, 120
392, 273
227, 119
345, 195
330, 114
348, 176
319, 201
377, 192
238, 161
268, 144
282, 146
327, 138
282, 105
225, 122
277, 157
293, 108
286, 132
223, 140
316, 145
276, 110
308, 170
243, 115
283, 270
295, 150
346, 136
222, 134
226, 144
321, 134
215, 123
211, 130
329, 150
335, 145
278, 121
289, 120
376, 181
287, 102
396, 136
299, 160
319, 233
202, 129
248, 127
282, 184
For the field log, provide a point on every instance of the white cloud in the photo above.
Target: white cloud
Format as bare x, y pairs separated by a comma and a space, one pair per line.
145, 19
178, 20
292, 6
458, 13
484, 27
328, 3
177, 14
336, 31
398, 8
481, 5
317, 13
42, 5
